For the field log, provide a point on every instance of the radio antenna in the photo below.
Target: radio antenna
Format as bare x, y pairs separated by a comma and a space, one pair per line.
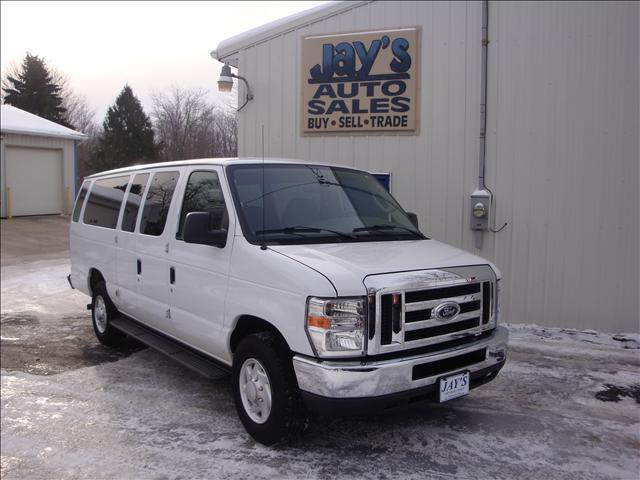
263, 246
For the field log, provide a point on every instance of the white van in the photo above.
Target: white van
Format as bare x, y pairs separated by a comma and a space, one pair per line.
308, 282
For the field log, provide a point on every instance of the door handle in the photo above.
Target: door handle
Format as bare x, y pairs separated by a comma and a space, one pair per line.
139, 267
172, 276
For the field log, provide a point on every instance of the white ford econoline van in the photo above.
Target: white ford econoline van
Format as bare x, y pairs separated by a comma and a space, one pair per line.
308, 282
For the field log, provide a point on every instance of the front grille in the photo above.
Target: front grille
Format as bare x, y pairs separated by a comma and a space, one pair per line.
470, 298
427, 349
486, 300
419, 315
448, 364
435, 293
441, 329
386, 325
413, 310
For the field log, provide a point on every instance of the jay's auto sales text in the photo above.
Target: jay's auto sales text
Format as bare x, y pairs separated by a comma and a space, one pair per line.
360, 82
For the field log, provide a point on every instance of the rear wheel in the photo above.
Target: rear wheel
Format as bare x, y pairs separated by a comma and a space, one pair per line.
102, 311
265, 389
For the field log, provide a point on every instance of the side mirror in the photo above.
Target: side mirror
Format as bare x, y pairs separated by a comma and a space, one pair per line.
196, 230
414, 219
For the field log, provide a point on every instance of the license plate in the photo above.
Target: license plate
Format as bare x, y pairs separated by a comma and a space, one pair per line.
454, 386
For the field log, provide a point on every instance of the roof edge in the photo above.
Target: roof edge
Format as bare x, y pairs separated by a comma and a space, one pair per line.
17, 121
68, 136
229, 47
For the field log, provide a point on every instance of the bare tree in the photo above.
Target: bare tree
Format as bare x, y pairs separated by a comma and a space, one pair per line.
12, 69
187, 126
227, 134
80, 114
88, 162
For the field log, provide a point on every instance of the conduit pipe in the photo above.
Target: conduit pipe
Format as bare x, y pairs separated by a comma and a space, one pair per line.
482, 197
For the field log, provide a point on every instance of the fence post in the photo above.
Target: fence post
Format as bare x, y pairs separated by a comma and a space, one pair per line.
9, 203
67, 192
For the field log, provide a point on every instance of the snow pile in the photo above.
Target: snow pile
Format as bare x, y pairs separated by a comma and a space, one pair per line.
521, 331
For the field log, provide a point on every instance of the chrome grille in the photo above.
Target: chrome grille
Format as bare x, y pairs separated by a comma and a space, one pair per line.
402, 315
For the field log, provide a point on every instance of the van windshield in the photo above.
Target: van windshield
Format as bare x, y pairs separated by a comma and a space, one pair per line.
291, 203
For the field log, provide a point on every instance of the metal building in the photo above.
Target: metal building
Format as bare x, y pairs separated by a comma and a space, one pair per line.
561, 161
37, 165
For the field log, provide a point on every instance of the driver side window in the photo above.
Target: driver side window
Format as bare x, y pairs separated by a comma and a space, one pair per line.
204, 194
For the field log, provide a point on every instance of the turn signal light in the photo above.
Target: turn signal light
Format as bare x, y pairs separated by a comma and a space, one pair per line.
319, 322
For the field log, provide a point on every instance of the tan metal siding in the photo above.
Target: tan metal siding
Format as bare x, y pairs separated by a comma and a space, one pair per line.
434, 182
562, 140
563, 160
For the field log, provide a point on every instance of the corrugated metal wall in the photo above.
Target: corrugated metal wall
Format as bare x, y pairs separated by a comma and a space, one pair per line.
563, 150
562, 154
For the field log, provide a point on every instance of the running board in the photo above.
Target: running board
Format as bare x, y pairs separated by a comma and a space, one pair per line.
174, 350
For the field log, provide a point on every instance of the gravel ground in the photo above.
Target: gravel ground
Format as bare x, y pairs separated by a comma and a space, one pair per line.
566, 405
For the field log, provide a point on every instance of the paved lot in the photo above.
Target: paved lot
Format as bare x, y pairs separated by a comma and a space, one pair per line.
30, 239
565, 406
45, 326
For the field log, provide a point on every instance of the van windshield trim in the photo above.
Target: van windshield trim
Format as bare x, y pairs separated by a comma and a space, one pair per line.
252, 204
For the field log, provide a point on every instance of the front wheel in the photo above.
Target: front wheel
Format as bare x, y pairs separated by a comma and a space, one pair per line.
265, 389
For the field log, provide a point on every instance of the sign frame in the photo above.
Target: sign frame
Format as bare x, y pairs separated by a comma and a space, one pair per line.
417, 99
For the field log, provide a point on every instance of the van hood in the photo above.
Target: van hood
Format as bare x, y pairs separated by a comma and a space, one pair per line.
347, 264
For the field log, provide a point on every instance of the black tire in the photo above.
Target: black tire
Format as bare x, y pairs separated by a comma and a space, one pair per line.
101, 305
287, 415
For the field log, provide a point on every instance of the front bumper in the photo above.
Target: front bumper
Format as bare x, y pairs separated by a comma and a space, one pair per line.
355, 379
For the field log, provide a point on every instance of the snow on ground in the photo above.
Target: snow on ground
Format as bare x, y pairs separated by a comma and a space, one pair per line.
566, 406
571, 336
146, 417
39, 287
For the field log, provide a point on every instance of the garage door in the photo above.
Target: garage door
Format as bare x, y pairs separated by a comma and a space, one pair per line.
35, 179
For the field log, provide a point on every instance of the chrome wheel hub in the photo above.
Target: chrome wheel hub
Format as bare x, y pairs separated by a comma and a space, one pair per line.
100, 314
255, 390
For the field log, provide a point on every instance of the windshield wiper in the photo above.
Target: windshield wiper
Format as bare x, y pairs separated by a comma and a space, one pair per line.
377, 228
297, 230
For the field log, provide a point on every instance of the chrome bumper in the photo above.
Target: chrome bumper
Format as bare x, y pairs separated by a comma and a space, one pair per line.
354, 379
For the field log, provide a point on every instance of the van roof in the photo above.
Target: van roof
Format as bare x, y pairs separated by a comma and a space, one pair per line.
206, 161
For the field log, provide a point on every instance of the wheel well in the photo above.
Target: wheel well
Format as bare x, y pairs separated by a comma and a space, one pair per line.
247, 325
95, 277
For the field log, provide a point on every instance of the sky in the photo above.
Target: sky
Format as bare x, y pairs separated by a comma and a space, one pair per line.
152, 46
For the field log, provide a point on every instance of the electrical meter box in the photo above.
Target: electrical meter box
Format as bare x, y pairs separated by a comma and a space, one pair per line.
480, 209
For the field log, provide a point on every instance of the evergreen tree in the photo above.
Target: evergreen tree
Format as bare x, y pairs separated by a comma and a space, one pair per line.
34, 90
127, 136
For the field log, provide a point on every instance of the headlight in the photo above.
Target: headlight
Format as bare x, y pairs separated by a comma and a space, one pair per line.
336, 325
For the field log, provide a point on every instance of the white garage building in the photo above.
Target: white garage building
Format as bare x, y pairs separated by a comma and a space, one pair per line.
401, 87
38, 165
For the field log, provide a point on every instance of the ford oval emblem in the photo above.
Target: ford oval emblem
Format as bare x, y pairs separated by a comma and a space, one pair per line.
446, 311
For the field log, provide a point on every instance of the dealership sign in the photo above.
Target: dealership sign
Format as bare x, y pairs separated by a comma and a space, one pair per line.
360, 82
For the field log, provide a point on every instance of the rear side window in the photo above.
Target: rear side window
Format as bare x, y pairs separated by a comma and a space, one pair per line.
104, 202
157, 203
203, 194
80, 201
134, 199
